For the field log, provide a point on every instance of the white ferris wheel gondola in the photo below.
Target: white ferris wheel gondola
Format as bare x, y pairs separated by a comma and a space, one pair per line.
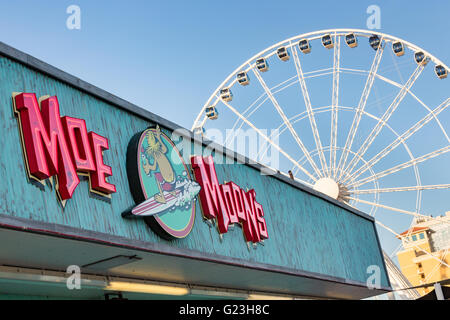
283, 53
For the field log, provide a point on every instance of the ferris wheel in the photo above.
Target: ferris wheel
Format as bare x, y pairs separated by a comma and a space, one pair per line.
358, 115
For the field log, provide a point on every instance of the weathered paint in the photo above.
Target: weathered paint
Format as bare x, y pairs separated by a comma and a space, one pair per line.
306, 232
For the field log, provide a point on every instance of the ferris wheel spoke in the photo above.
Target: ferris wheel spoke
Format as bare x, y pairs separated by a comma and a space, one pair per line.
411, 213
406, 135
400, 189
417, 247
436, 267
199, 123
401, 166
249, 111
252, 108
398, 85
286, 121
334, 105
314, 152
393, 253
360, 109
312, 120
269, 140
299, 117
390, 110
355, 176
436, 119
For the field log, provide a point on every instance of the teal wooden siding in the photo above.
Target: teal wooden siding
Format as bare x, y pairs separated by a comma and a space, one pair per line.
305, 232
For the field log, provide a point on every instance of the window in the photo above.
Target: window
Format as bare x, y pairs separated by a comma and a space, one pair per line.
414, 237
421, 235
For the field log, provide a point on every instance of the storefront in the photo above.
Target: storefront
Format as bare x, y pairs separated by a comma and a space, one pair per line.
92, 183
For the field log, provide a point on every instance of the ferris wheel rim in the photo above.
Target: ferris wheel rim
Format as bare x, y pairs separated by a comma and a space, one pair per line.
357, 32
351, 167
342, 32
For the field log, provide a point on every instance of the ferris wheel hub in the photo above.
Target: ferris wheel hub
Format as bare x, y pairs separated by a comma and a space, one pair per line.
327, 186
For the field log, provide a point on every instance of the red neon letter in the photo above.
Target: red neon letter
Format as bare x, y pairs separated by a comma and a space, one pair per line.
259, 215
76, 134
261, 221
229, 201
213, 205
45, 143
251, 229
238, 203
98, 177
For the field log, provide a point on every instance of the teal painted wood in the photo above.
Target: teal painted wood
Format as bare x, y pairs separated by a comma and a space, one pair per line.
305, 232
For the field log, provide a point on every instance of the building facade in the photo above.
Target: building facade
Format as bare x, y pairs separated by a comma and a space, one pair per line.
426, 235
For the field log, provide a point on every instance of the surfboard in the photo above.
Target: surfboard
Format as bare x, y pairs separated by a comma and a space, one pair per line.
151, 207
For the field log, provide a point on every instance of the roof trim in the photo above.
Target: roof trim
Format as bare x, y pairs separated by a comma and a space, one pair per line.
413, 230
72, 233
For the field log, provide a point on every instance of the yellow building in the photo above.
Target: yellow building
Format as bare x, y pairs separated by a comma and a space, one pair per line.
426, 235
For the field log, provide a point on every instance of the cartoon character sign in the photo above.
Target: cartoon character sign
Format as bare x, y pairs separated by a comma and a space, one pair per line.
161, 186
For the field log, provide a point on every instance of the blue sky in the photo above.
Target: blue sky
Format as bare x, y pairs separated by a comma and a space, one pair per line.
169, 56
166, 55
